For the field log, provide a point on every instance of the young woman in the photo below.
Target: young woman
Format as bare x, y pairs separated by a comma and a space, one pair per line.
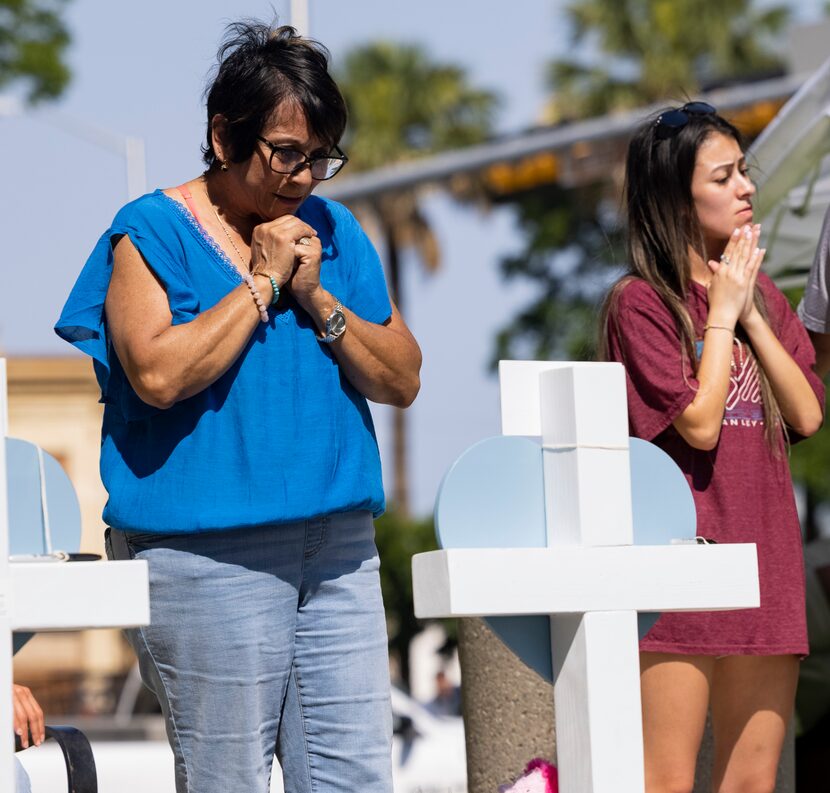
719, 376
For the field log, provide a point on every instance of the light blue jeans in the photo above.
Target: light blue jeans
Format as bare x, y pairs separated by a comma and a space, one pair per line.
268, 640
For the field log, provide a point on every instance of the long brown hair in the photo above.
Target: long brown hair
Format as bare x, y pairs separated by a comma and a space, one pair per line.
663, 226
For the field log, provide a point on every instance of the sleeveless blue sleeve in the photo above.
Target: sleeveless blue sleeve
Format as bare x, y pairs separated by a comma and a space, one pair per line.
82, 322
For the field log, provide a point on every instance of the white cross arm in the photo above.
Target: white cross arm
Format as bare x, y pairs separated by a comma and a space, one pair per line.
467, 582
520, 394
60, 596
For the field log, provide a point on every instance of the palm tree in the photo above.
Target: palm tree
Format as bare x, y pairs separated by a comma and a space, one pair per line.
653, 49
402, 105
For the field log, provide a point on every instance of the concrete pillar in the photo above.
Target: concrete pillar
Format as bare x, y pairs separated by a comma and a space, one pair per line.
508, 717
508, 710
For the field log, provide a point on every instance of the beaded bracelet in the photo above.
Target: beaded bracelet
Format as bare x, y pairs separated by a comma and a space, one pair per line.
263, 311
275, 296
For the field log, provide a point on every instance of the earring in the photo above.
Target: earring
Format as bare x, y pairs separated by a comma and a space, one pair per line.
223, 165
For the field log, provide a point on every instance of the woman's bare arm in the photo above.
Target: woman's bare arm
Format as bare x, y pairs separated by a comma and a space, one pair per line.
166, 363
381, 361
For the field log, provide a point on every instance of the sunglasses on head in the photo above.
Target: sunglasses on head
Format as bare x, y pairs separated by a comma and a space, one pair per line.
670, 122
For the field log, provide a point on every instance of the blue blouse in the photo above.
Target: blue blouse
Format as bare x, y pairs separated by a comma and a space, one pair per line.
281, 436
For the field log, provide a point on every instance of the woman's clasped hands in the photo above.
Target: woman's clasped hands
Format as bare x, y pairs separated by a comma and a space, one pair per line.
290, 251
732, 288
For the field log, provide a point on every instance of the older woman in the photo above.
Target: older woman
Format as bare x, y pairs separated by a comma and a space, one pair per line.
238, 325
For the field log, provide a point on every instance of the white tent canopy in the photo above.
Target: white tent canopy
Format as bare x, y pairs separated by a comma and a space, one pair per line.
794, 176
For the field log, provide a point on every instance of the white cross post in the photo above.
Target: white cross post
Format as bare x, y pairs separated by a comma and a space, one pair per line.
590, 579
50, 596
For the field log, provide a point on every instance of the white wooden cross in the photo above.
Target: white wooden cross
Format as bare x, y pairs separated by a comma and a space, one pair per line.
55, 596
590, 579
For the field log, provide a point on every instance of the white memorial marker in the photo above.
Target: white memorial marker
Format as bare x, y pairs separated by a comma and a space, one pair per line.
590, 579
43, 596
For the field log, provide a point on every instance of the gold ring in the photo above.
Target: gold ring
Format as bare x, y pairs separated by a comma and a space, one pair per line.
304, 241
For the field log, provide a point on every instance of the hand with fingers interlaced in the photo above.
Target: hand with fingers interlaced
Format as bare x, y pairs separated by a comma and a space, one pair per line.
275, 246
305, 282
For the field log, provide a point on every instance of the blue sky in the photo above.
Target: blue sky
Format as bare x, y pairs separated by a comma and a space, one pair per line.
139, 69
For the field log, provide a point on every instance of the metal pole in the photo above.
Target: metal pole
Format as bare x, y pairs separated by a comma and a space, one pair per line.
299, 16
136, 168
6, 713
130, 148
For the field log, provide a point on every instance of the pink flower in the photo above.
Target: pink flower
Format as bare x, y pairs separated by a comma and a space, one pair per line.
548, 771
539, 777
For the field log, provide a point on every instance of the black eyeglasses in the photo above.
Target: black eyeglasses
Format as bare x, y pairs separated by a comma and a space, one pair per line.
288, 160
672, 121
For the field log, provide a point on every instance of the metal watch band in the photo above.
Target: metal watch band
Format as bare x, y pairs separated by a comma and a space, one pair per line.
331, 335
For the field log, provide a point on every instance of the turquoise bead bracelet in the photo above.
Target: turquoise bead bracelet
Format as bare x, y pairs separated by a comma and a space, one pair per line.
274, 287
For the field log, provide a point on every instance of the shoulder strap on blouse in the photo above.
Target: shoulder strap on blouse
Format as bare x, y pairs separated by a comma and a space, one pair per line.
191, 204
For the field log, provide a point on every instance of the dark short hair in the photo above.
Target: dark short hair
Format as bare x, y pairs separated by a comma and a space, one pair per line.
258, 68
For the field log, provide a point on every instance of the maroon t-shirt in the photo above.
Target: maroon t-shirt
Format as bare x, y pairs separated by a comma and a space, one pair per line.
742, 488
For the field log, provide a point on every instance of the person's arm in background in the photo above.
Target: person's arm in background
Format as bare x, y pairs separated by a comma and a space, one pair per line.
814, 309
28, 717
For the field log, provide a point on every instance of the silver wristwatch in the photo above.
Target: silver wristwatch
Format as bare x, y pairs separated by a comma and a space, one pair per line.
335, 325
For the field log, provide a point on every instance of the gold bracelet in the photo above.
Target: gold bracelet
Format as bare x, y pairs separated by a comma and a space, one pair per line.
717, 327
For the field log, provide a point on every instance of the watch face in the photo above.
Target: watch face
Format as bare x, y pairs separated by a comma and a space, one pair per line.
337, 323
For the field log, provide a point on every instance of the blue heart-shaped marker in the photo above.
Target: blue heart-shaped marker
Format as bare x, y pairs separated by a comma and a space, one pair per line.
493, 497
